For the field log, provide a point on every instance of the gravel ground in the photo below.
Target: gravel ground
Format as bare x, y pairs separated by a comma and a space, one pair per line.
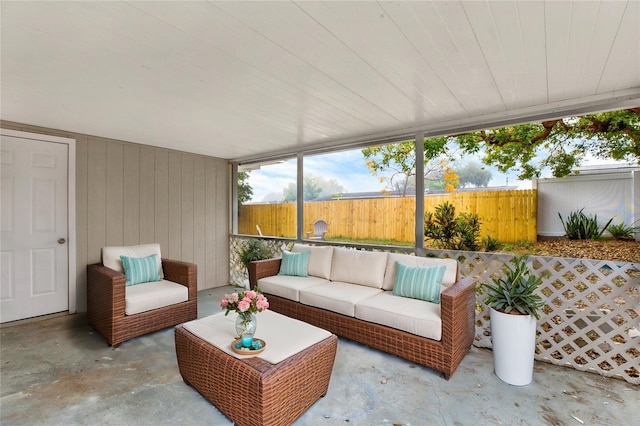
623, 251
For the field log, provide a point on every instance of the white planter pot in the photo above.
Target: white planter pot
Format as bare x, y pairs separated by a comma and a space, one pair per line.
513, 338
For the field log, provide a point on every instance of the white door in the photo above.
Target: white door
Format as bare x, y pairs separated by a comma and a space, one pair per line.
34, 268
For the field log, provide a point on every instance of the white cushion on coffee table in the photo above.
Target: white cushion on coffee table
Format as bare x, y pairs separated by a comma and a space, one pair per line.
284, 336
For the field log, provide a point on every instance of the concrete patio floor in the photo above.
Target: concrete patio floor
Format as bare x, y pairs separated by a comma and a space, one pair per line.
57, 371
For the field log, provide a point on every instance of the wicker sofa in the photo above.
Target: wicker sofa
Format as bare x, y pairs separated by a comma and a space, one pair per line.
119, 312
349, 292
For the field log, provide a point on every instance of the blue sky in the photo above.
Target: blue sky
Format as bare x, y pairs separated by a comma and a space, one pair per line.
348, 168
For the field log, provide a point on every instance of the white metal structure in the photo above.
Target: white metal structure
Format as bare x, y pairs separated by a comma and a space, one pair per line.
241, 80
605, 193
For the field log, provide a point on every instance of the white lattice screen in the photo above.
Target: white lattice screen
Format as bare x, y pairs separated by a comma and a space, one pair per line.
591, 319
238, 273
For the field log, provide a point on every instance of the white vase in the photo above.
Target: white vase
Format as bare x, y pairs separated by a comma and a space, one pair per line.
513, 338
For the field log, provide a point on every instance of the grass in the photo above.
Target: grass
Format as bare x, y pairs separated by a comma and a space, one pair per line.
371, 241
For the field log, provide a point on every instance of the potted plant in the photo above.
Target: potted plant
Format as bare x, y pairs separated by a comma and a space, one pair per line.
514, 311
254, 249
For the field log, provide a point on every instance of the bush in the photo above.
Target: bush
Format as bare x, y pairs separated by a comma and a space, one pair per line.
581, 227
451, 232
491, 244
254, 249
623, 232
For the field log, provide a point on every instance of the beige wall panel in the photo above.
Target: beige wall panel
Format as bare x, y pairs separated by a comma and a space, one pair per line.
187, 208
131, 192
147, 196
115, 194
222, 224
123, 196
199, 216
97, 199
82, 202
210, 231
162, 200
175, 206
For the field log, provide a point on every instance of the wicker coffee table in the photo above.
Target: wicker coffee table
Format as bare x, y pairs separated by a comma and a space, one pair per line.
248, 389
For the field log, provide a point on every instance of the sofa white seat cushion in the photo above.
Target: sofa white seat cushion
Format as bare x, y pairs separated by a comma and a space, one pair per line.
411, 315
153, 295
288, 286
319, 259
337, 297
450, 273
358, 267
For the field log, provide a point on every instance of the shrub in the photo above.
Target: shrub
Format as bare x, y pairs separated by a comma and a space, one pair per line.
254, 249
622, 231
468, 231
451, 232
581, 227
491, 244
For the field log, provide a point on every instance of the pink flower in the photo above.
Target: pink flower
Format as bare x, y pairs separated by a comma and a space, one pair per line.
252, 301
244, 305
262, 304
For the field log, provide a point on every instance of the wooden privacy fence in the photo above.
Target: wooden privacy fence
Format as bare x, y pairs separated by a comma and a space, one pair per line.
508, 216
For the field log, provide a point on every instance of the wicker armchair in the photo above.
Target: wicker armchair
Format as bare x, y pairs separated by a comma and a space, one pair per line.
106, 302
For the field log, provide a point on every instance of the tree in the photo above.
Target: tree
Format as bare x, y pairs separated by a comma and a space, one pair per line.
245, 191
396, 164
314, 187
472, 174
558, 145
562, 144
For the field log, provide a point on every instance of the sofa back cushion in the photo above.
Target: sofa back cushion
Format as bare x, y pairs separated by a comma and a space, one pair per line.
450, 273
319, 259
419, 282
358, 267
111, 256
294, 264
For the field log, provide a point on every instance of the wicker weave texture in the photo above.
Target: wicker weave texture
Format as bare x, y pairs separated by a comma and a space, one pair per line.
457, 304
106, 303
251, 391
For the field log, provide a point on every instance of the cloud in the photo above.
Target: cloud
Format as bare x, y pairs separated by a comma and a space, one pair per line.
346, 167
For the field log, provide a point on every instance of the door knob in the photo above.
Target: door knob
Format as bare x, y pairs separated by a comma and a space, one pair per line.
61, 241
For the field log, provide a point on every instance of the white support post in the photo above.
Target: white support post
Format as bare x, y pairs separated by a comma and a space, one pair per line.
419, 225
635, 199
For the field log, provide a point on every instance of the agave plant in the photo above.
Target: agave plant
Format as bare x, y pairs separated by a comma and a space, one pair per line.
581, 227
622, 231
514, 291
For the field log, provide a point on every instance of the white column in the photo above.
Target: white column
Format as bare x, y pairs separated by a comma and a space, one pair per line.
635, 199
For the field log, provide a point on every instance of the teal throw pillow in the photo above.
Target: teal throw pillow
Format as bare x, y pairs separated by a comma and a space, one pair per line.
140, 270
419, 282
295, 264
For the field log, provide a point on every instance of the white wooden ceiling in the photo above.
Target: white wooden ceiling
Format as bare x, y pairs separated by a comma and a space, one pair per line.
239, 80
